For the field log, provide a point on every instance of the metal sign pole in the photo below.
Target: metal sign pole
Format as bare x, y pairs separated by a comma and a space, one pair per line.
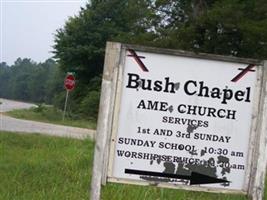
65, 106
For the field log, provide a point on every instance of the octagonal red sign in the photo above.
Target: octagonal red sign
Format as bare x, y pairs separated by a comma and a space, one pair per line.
69, 82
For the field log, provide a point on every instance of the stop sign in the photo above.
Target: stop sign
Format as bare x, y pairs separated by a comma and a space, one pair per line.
69, 82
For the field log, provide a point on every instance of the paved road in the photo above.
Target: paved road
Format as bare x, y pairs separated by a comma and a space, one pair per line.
8, 105
18, 125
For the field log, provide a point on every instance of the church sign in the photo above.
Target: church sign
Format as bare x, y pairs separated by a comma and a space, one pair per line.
182, 120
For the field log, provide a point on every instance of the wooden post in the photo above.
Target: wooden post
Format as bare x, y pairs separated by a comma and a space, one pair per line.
105, 115
258, 171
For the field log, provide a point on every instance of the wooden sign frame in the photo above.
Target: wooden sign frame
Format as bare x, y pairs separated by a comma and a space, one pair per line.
109, 109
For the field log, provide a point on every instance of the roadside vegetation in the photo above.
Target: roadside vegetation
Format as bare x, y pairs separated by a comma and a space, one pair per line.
42, 167
50, 114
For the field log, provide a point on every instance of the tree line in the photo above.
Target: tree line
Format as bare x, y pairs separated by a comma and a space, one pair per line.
40, 83
29, 81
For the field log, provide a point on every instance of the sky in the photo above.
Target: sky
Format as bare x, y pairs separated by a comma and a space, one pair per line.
27, 27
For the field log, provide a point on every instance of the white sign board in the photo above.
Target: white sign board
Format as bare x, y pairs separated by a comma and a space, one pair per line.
184, 115
181, 121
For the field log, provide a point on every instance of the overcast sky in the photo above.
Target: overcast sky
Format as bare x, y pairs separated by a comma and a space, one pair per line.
27, 27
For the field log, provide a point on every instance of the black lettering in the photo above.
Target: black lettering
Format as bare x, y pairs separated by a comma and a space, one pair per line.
231, 114
227, 95
161, 145
221, 115
203, 89
120, 153
215, 93
165, 119
248, 95
180, 110
238, 95
132, 81
211, 112
158, 86
141, 105
191, 109
168, 83
120, 140
201, 110
152, 105
148, 86
186, 87
163, 106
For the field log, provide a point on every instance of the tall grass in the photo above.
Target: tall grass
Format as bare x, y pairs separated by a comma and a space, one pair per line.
42, 167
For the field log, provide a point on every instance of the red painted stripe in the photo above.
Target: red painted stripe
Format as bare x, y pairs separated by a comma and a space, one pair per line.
242, 73
138, 60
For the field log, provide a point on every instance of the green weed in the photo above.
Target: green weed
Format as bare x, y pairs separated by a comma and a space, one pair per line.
50, 114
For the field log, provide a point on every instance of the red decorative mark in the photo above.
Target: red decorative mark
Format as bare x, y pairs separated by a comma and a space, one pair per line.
138, 60
138, 56
243, 72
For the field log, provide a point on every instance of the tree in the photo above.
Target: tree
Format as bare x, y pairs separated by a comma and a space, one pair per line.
230, 27
80, 45
4, 79
26, 80
226, 27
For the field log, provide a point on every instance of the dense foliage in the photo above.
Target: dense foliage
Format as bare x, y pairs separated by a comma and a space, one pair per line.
227, 27
30, 81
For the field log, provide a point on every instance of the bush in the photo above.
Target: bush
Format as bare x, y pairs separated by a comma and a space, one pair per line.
89, 105
59, 99
40, 108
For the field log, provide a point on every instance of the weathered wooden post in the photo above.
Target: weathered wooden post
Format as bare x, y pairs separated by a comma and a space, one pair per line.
112, 57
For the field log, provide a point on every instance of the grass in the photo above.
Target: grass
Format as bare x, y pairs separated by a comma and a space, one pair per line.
52, 115
43, 167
